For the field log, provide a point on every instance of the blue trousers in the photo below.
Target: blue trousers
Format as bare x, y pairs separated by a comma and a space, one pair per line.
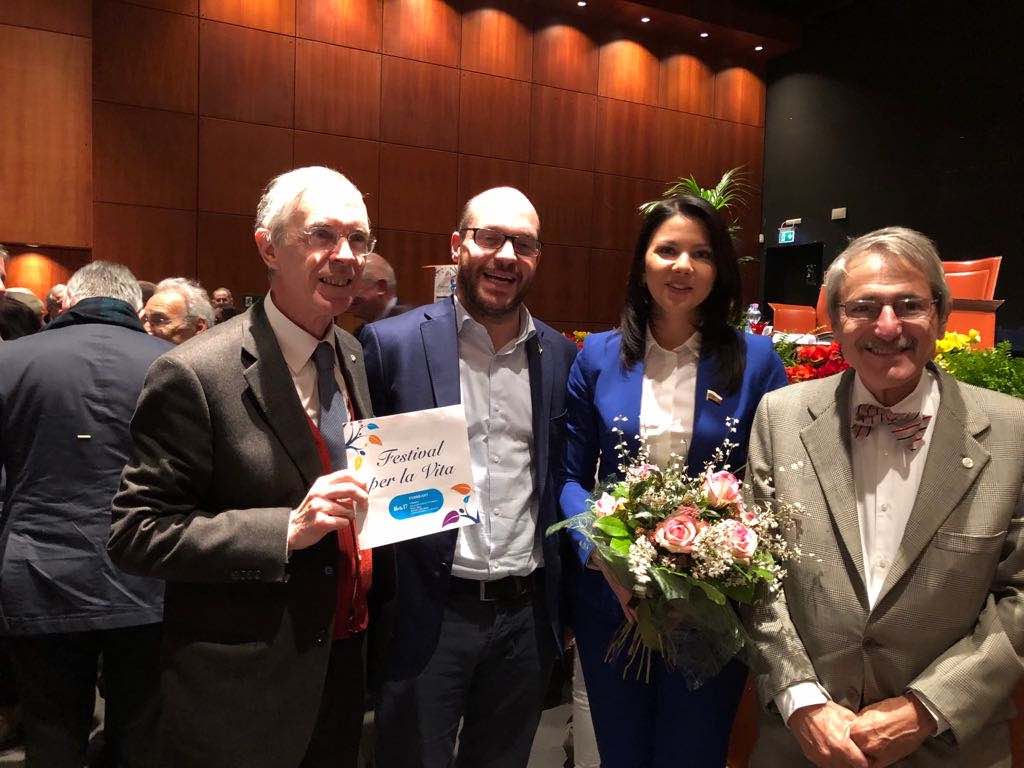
656, 724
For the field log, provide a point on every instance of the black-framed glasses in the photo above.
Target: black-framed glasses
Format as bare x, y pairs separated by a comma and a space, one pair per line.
905, 308
493, 240
323, 238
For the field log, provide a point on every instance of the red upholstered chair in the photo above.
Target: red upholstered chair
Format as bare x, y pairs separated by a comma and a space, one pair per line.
799, 318
973, 280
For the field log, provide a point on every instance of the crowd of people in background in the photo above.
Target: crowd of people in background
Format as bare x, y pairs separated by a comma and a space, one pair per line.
179, 511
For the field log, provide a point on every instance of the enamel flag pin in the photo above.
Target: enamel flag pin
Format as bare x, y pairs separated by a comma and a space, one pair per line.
714, 397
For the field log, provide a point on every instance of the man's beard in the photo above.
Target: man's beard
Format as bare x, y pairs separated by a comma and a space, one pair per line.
469, 280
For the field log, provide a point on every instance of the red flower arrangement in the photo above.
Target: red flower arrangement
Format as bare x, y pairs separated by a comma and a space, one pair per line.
815, 362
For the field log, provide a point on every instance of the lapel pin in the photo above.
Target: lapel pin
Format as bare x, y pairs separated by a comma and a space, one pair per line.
352, 358
967, 461
714, 397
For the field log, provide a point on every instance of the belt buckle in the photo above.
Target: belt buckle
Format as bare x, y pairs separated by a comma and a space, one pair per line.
483, 593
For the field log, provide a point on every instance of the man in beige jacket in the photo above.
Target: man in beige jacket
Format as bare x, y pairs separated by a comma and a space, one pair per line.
899, 635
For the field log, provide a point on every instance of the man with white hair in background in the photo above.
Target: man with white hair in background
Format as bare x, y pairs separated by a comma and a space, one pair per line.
238, 496
376, 294
66, 397
178, 310
55, 302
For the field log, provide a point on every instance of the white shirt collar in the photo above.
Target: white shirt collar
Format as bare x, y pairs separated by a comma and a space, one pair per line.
689, 347
924, 399
297, 345
526, 326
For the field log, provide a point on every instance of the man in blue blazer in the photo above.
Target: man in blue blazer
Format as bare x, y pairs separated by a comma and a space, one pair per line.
477, 620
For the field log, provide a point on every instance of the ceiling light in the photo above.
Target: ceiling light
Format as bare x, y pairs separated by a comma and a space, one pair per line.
582, 3
758, 48
704, 34
645, 19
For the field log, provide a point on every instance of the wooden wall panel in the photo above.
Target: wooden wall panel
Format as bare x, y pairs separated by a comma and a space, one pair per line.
683, 147
145, 57
228, 257
608, 293
271, 15
359, 160
496, 40
733, 144
560, 289
144, 156
629, 71
417, 189
494, 117
634, 156
479, 173
39, 269
563, 127
71, 17
337, 90
246, 74
616, 221
45, 163
739, 96
236, 160
409, 253
355, 23
427, 30
565, 57
153, 243
687, 84
420, 104
189, 7
564, 201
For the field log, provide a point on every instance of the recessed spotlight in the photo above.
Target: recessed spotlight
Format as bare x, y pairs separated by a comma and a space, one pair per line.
758, 48
581, 3
704, 34
645, 19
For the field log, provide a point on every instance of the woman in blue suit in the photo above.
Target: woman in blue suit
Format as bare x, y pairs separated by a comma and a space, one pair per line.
672, 373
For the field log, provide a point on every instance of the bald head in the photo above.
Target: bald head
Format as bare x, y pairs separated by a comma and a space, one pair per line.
376, 291
499, 204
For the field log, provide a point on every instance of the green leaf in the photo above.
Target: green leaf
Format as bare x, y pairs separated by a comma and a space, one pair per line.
621, 546
741, 594
712, 593
613, 526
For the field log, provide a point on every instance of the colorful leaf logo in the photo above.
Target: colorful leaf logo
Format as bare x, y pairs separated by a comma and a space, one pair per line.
451, 517
375, 440
371, 425
359, 462
462, 489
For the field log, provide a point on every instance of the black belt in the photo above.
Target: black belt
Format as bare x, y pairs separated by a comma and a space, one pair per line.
498, 590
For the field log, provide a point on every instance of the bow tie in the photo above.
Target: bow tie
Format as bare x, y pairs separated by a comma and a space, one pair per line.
908, 428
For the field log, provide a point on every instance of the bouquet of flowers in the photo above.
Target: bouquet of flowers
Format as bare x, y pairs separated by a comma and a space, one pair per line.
688, 548
811, 361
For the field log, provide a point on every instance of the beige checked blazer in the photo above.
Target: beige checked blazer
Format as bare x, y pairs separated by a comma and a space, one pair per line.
949, 621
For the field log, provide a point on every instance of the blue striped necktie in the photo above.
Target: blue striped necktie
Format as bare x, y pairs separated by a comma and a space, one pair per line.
333, 412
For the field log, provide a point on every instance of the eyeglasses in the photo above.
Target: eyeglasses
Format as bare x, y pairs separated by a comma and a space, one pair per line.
326, 239
907, 308
492, 240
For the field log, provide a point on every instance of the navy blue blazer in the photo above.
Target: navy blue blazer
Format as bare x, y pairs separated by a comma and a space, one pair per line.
412, 363
600, 390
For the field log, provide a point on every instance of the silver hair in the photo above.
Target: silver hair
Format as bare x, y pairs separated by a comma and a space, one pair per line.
900, 243
197, 301
283, 193
378, 268
105, 279
4, 255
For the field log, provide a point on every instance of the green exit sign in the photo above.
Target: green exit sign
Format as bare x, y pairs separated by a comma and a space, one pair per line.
787, 235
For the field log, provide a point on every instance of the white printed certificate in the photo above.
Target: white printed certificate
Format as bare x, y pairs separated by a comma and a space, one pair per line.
417, 469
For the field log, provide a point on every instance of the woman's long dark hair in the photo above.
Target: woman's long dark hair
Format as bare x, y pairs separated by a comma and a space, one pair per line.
717, 314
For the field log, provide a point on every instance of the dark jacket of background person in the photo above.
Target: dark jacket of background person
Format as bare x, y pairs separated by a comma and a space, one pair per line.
16, 319
66, 397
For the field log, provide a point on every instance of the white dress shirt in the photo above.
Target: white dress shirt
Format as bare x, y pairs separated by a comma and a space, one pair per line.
297, 347
668, 397
886, 478
495, 387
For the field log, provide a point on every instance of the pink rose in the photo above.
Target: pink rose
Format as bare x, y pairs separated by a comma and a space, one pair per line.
606, 505
746, 516
722, 488
742, 541
679, 532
